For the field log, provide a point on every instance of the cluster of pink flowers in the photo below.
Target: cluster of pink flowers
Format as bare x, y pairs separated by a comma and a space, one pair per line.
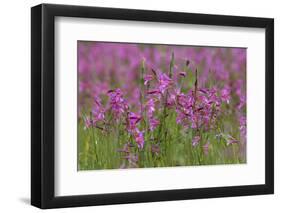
118, 104
198, 110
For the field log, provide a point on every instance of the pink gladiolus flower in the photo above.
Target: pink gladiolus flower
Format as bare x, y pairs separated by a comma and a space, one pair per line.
117, 102
195, 141
88, 123
150, 106
139, 138
225, 94
242, 102
172, 98
134, 117
98, 112
133, 120
153, 123
164, 82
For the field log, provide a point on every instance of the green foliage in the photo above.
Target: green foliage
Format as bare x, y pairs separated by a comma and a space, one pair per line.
99, 149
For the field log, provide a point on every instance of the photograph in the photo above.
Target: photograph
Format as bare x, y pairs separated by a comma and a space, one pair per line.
160, 105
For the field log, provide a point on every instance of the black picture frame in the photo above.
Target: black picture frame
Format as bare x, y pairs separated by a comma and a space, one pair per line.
43, 105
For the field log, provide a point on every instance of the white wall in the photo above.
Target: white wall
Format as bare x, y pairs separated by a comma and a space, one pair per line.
15, 105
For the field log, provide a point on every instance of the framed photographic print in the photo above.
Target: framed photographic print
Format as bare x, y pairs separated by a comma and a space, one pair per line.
139, 106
